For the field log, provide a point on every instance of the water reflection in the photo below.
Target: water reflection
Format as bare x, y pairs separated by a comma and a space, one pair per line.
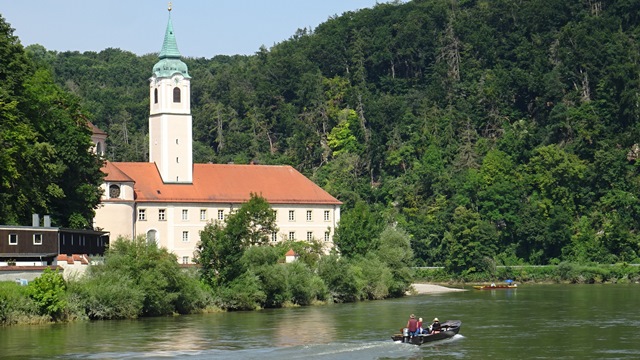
311, 326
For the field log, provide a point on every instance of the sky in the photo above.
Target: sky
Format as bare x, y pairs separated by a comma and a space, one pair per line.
203, 28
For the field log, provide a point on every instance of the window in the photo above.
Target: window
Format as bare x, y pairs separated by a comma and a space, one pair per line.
292, 215
177, 160
326, 236
185, 236
152, 237
292, 235
161, 214
37, 239
220, 214
177, 142
308, 215
142, 214
185, 259
13, 239
274, 236
185, 214
203, 214
155, 96
309, 235
326, 215
114, 191
176, 94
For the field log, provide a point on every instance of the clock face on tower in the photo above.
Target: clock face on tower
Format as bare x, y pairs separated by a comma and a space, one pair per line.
177, 79
114, 191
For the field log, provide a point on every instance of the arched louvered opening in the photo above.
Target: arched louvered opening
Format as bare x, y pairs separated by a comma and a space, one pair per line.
176, 94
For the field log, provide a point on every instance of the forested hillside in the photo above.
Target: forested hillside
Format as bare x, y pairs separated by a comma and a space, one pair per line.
492, 131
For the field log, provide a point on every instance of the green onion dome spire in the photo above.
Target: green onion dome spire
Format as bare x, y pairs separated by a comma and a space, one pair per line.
170, 62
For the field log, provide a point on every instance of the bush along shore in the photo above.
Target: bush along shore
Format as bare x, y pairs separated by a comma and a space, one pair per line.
138, 279
563, 273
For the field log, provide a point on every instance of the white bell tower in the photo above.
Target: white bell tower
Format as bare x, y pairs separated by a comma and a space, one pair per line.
170, 121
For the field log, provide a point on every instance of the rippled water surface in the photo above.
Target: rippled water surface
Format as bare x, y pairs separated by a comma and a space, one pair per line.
532, 322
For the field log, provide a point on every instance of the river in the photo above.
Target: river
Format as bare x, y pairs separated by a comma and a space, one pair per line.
531, 322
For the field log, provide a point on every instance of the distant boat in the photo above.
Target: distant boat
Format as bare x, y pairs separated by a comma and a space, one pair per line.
449, 329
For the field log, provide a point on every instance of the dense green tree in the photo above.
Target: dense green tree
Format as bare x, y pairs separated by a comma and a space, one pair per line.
358, 231
395, 252
469, 244
222, 246
46, 164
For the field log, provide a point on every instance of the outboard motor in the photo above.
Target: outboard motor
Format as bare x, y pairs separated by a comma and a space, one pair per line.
405, 335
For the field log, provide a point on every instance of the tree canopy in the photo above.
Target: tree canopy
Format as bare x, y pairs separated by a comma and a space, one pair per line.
46, 165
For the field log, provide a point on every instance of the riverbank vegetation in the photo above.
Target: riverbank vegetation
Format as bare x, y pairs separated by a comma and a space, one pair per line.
238, 269
563, 273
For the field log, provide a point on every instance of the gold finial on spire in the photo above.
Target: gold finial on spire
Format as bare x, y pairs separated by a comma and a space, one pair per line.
169, 6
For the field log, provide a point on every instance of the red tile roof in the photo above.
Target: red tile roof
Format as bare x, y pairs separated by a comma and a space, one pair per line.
290, 253
222, 183
83, 259
114, 174
95, 130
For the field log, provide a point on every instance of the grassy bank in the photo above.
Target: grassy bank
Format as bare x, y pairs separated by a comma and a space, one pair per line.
563, 273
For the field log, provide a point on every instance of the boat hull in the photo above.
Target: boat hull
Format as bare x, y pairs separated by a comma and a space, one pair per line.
450, 329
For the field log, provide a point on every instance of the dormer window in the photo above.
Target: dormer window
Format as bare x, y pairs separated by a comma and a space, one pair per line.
176, 94
155, 96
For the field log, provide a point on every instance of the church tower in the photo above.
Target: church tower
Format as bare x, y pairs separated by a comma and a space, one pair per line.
170, 122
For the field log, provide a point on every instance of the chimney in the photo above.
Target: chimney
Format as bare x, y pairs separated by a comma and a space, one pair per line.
47, 221
35, 220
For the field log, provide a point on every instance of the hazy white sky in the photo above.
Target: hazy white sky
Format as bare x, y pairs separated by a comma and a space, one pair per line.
203, 28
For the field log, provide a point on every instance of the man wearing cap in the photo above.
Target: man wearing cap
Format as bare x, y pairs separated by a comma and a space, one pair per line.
412, 325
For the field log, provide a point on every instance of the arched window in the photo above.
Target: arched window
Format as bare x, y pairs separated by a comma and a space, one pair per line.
152, 237
99, 149
155, 96
176, 94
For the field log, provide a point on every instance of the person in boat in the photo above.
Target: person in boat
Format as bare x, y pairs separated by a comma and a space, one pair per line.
436, 327
412, 325
420, 329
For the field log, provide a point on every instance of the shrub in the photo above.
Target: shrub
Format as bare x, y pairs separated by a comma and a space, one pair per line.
341, 278
152, 272
193, 295
49, 293
16, 306
108, 296
274, 284
300, 283
376, 277
243, 293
